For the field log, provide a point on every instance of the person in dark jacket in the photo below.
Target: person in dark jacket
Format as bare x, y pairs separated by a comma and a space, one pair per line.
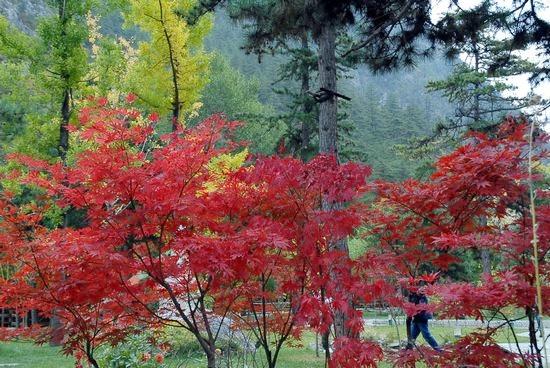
419, 323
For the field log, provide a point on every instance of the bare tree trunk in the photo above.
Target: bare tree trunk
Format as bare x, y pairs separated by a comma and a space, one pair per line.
486, 261
325, 342
536, 351
55, 323
63, 127
90, 356
327, 78
175, 112
211, 359
307, 108
64, 75
16, 318
176, 103
485, 253
328, 132
93, 362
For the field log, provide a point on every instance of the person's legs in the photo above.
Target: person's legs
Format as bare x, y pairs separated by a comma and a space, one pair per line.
423, 327
415, 331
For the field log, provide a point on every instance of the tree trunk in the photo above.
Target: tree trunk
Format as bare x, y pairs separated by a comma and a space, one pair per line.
326, 344
57, 333
328, 132
55, 323
211, 359
208, 345
63, 127
477, 105
269, 358
307, 108
485, 253
34, 317
64, 75
16, 318
328, 109
536, 351
486, 261
175, 112
93, 362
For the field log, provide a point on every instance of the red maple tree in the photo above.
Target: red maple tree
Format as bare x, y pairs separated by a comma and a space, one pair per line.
423, 225
166, 240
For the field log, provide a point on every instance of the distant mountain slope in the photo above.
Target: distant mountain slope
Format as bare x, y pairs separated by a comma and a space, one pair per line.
24, 13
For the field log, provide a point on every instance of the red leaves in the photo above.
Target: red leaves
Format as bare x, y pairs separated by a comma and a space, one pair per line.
261, 243
131, 98
430, 278
479, 349
474, 200
153, 233
355, 353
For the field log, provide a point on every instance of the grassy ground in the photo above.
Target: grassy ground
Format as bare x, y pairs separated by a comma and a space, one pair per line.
28, 355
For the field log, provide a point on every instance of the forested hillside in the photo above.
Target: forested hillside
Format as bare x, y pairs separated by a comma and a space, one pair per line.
24, 13
386, 109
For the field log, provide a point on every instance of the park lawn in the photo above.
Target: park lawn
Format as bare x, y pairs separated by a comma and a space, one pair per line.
289, 358
28, 355
443, 335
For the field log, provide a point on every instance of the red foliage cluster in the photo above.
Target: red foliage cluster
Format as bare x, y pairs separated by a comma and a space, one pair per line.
156, 232
160, 246
477, 198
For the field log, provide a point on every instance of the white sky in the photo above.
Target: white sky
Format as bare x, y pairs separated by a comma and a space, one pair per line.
521, 82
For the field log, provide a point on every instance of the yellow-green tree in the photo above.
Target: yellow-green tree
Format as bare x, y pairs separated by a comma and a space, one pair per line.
55, 61
171, 67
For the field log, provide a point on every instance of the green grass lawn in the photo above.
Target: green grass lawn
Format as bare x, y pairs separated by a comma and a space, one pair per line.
28, 355
443, 335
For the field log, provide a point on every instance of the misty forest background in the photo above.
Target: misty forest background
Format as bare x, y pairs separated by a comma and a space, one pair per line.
378, 126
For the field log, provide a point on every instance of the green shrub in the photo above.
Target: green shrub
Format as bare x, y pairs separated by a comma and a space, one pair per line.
137, 351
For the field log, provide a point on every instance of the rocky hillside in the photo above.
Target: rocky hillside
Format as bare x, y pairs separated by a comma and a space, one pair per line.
24, 13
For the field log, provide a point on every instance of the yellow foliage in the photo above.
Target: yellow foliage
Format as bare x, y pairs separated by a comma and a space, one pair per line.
171, 67
222, 165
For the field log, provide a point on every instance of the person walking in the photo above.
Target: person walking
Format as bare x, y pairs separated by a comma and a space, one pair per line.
419, 322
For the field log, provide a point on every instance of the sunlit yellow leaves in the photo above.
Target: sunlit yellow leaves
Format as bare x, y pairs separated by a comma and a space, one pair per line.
222, 165
172, 67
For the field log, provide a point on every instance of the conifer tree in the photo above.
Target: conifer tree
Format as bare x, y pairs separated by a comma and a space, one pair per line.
478, 85
274, 22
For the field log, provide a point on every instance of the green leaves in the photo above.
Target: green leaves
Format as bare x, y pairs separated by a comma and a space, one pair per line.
16, 45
